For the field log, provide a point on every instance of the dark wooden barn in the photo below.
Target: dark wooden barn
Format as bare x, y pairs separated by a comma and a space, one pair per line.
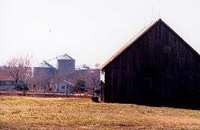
158, 66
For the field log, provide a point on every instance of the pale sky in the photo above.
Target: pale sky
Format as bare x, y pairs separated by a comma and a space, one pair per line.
88, 30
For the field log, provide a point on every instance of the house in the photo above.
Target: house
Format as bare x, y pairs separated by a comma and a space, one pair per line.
7, 83
65, 87
157, 66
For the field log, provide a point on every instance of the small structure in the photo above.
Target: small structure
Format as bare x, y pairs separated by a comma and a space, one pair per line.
7, 83
65, 87
157, 66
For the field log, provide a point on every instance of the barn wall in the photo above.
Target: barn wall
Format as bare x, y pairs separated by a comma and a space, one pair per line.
157, 67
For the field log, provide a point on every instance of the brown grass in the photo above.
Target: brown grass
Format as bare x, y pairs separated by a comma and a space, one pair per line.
76, 113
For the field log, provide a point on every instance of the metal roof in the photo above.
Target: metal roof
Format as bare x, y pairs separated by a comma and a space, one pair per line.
45, 64
64, 57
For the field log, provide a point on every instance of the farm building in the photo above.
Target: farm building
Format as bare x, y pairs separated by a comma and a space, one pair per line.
7, 82
60, 75
157, 66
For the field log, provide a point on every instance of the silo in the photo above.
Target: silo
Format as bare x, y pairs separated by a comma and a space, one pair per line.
66, 65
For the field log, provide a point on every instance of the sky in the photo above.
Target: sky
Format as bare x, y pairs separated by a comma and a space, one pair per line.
90, 31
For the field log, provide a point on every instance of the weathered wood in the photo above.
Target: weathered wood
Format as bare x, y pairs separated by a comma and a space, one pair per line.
158, 67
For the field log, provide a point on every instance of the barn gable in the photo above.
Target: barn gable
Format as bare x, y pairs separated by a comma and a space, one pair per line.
143, 32
156, 66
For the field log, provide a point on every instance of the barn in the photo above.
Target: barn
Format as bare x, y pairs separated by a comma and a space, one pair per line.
157, 66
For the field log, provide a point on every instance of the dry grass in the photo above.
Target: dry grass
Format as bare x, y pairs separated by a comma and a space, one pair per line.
72, 113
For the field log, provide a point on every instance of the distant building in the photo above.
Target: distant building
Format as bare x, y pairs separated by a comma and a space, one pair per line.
7, 83
60, 75
66, 65
65, 87
44, 69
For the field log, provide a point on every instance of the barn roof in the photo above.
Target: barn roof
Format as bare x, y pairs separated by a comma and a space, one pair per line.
142, 32
130, 42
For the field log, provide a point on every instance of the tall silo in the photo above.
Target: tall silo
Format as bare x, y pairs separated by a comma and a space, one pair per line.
66, 65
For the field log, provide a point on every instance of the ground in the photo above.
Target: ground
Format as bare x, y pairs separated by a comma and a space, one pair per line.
82, 113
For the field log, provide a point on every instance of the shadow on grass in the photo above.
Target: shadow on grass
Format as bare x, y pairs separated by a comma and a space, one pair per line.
173, 105
7, 126
184, 104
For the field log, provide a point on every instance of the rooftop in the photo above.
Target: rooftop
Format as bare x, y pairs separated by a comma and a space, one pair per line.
64, 57
52, 63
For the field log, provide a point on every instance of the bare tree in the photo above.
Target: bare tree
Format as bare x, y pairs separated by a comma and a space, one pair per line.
95, 78
19, 68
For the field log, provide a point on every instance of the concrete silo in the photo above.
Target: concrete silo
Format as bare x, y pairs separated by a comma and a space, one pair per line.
66, 65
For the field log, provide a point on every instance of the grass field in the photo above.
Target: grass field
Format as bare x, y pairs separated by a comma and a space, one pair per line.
76, 113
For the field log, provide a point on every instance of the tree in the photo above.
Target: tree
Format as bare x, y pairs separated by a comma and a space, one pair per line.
19, 68
95, 79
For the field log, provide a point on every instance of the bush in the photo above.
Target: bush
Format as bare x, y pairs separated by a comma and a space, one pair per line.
22, 87
95, 99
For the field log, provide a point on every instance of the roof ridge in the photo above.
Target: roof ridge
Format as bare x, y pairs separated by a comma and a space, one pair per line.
130, 41
48, 64
65, 55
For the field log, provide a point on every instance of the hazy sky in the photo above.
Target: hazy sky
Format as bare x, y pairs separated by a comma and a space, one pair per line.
88, 30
